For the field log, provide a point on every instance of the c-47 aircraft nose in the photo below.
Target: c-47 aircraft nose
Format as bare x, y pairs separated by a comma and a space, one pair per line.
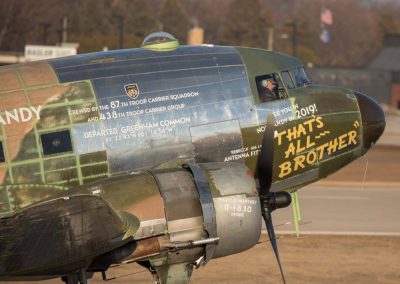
373, 120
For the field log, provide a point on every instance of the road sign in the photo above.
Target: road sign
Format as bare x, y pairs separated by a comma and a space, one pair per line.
38, 52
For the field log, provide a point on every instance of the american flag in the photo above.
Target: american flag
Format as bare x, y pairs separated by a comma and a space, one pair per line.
325, 36
326, 16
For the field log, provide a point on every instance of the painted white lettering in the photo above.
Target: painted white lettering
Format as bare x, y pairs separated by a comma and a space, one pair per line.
20, 115
2, 121
12, 116
25, 114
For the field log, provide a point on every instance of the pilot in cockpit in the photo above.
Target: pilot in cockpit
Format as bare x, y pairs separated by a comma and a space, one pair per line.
268, 90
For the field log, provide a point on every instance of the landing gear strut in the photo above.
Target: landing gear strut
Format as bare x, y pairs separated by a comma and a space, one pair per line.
75, 278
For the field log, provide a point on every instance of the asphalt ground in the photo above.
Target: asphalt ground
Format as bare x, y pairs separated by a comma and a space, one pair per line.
344, 211
378, 168
310, 259
361, 199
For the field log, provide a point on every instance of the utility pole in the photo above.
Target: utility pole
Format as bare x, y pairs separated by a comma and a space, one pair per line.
45, 27
293, 25
121, 30
270, 38
64, 29
62, 32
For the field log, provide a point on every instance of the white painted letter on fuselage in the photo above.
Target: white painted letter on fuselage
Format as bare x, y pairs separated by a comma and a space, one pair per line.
20, 115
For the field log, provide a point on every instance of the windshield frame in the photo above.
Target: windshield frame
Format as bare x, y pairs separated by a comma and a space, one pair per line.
301, 79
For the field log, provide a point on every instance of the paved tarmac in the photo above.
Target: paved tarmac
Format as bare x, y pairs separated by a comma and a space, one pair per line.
392, 131
340, 210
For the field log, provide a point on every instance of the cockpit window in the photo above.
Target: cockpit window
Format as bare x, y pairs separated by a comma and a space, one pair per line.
300, 77
287, 80
270, 87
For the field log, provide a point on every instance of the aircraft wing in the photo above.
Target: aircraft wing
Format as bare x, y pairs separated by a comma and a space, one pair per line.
62, 234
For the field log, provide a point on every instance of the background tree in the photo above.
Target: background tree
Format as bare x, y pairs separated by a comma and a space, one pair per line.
207, 14
387, 19
140, 20
246, 23
353, 35
90, 24
6, 13
356, 33
307, 29
21, 22
174, 20
94, 24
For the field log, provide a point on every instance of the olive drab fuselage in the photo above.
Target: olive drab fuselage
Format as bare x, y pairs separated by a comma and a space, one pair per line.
163, 147
68, 122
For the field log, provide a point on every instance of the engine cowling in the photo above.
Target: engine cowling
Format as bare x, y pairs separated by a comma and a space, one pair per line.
199, 211
230, 206
236, 204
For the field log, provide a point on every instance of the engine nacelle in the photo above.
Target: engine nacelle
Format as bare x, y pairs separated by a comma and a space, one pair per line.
210, 201
201, 210
235, 203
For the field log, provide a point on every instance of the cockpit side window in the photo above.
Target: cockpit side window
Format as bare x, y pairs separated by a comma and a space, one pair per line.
270, 87
287, 80
300, 77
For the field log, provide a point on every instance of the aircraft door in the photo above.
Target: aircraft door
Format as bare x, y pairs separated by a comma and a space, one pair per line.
217, 142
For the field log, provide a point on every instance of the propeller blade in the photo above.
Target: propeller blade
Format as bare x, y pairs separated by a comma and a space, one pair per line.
271, 234
270, 201
266, 158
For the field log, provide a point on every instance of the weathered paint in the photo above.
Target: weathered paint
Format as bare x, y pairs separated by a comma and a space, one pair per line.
129, 111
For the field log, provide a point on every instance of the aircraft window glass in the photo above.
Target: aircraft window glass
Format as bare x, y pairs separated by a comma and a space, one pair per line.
56, 142
270, 87
2, 157
300, 77
287, 80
